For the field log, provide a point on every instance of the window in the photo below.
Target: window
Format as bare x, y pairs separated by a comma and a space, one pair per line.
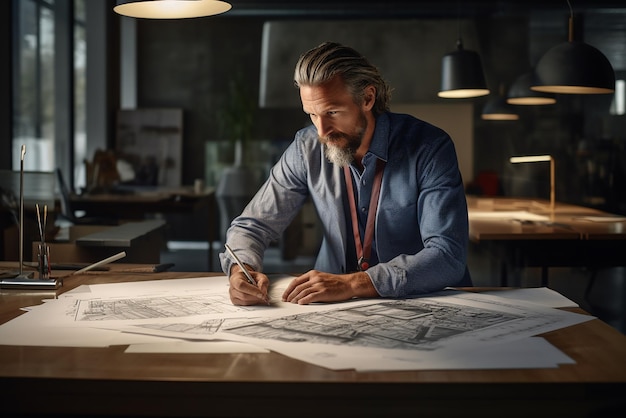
49, 93
33, 101
618, 105
80, 83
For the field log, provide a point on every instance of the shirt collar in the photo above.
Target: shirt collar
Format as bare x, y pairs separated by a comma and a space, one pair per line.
380, 140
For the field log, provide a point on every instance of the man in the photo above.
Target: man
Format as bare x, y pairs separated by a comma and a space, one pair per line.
410, 238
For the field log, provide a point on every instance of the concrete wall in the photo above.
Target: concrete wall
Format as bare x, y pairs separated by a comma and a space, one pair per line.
190, 63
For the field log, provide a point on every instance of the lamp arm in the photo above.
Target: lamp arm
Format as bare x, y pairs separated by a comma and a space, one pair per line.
552, 184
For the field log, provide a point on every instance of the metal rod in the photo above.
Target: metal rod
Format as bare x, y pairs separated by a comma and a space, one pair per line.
552, 185
21, 250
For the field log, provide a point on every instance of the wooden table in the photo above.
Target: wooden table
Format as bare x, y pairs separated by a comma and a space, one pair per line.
135, 205
108, 382
566, 239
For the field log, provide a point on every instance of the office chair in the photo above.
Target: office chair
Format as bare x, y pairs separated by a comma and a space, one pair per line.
68, 213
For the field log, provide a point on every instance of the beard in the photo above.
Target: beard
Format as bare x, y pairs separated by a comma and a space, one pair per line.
338, 156
343, 156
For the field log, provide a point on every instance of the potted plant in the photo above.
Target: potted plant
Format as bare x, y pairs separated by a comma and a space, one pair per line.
235, 120
236, 184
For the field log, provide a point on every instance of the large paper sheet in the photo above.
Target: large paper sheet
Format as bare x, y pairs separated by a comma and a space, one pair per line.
446, 330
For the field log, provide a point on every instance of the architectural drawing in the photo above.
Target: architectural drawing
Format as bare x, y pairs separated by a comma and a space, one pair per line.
393, 324
209, 327
450, 329
163, 306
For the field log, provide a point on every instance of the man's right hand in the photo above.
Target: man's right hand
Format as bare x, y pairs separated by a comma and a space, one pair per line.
242, 292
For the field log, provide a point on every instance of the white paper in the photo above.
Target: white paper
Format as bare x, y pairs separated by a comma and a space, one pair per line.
26, 331
534, 352
445, 330
183, 347
540, 295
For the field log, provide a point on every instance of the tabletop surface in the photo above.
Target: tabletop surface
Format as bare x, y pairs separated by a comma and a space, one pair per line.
71, 381
144, 195
517, 219
598, 349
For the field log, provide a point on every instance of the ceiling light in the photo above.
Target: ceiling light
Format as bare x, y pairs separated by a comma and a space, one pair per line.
170, 9
574, 67
521, 94
497, 108
462, 75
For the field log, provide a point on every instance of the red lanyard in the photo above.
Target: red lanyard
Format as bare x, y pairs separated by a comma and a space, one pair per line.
363, 251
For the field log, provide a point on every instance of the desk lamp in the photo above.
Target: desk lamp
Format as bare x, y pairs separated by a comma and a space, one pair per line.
536, 159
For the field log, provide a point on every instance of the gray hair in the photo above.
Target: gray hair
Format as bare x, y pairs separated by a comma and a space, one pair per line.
324, 62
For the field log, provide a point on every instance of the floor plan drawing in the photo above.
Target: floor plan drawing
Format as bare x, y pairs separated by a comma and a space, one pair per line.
394, 324
448, 329
173, 306
205, 328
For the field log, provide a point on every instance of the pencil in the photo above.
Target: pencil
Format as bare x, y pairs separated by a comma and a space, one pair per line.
102, 262
240, 264
158, 268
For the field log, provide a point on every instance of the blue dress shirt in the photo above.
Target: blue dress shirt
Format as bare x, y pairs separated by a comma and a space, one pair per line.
421, 233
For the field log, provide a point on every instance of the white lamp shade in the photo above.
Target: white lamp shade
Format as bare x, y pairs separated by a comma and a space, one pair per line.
170, 9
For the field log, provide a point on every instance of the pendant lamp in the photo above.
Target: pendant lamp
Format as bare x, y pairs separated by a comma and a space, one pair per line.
521, 94
170, 9
574, 67
462, 74
497, 108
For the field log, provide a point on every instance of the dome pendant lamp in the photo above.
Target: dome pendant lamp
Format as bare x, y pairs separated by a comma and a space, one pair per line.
170, 9
462, 75
574, 67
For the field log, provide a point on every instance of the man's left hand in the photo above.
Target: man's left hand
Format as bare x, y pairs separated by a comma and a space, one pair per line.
316, 286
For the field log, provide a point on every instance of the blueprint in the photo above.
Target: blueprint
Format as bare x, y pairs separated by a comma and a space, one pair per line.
165, 306
199, 298
394, 324
449, 329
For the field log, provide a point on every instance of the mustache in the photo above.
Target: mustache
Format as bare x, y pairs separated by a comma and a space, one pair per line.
333, 138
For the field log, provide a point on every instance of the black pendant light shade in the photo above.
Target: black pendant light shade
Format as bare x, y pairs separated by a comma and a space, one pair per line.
520, 92
462, 75
574, 67
498, 109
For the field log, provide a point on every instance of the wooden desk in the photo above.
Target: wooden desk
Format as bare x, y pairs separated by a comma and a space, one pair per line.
108, 382
566, 239
136, 205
